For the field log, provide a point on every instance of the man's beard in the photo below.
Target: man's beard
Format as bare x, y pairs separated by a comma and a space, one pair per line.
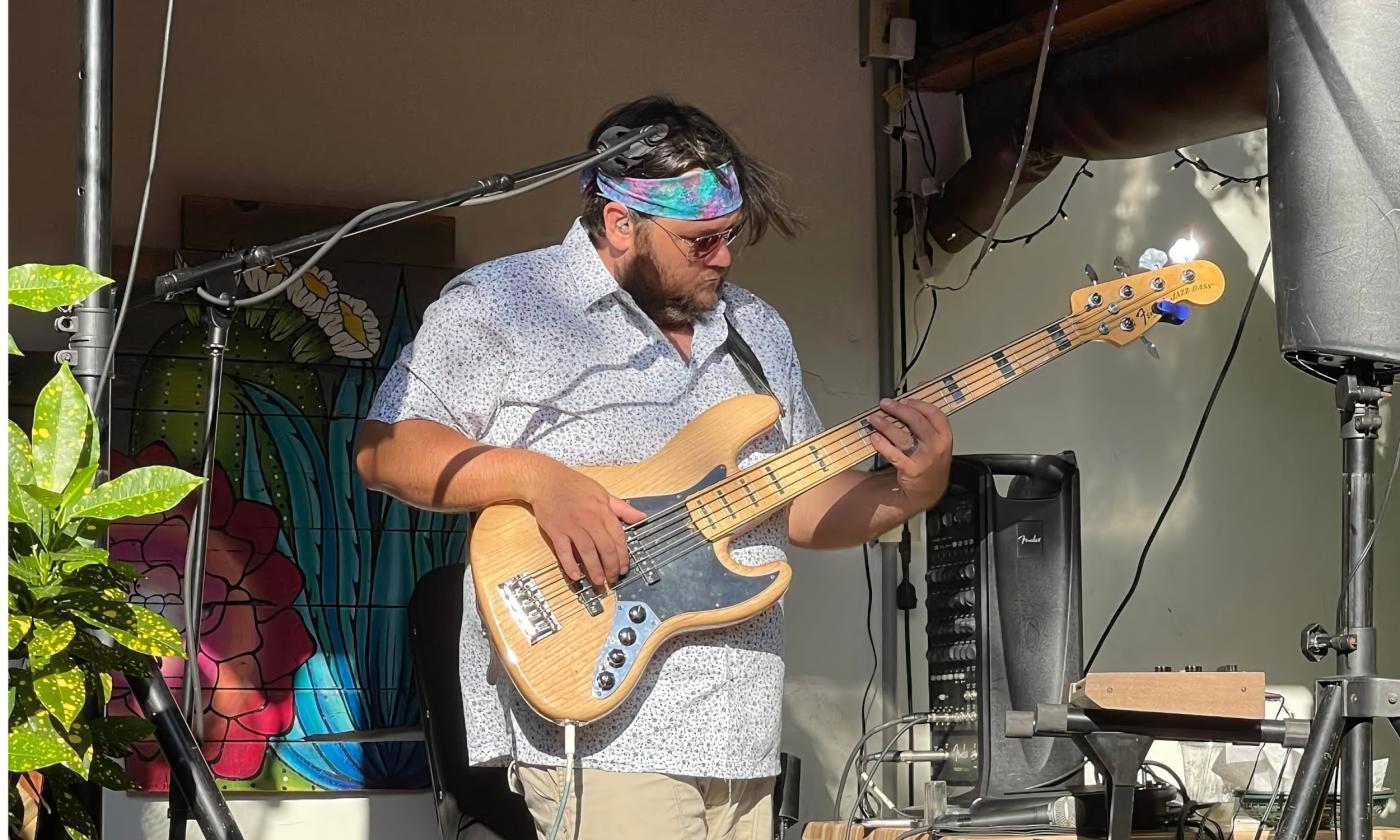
659, 296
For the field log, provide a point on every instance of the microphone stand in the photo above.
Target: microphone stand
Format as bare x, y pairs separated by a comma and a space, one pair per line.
192, 790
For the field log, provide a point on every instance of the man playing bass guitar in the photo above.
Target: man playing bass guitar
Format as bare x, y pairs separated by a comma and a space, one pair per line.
599, 350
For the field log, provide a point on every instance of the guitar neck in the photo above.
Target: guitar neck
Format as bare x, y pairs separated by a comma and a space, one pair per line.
752, 494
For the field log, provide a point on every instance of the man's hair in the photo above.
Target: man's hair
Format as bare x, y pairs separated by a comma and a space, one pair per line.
693, 141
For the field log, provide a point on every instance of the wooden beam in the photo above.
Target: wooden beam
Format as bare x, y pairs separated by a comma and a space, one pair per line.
1005, 49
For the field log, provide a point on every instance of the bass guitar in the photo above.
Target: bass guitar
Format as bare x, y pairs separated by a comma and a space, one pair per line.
575, 653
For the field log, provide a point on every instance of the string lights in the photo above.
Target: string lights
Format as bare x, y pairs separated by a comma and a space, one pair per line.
1226, 179
1025, 238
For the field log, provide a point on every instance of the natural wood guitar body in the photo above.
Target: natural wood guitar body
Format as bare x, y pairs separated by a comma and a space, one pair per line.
558, 674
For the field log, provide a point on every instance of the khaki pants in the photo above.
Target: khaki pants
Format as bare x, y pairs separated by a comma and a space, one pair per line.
623, 806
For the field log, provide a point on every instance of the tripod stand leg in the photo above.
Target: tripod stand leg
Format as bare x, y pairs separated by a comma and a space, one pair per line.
188, 769
1310, 785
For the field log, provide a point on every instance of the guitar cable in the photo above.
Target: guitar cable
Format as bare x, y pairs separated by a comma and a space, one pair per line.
569, 747
1186, 465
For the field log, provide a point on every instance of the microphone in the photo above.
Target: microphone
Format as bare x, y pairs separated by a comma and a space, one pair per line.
1062, 812
618, 165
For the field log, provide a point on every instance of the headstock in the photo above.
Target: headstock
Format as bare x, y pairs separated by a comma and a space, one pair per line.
1123, 309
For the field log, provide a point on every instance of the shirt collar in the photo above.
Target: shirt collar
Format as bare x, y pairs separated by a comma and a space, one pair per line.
589, 281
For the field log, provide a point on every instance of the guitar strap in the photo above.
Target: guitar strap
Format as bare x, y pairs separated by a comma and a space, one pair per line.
746, 361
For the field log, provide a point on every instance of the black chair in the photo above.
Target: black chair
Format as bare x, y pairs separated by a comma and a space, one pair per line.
473, 803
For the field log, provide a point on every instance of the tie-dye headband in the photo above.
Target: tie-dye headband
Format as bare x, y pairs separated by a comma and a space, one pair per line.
694, 196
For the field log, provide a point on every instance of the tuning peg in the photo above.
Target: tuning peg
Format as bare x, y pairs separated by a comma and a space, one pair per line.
1121, 266
1091, 274
1152, 259
1151, 348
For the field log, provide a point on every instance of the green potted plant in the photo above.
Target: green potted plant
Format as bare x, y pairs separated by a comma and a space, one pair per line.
69, 622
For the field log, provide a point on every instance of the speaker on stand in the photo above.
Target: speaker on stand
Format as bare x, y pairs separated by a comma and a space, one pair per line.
1334, 209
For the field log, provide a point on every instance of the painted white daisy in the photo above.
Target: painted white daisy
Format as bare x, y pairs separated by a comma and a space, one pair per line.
313, 292
261, 279
352, 327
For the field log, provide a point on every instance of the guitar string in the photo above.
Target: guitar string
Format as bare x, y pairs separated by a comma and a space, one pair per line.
690, 538
1030, 358
1041, 355
988, 371
681, 511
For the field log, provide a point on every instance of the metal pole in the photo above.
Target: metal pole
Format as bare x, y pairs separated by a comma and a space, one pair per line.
94, 317
884, 339
1358, 470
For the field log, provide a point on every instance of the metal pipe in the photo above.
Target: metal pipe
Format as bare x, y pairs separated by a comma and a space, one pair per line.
1358, 472
95, 316
189, 772
1311, 781
884, 340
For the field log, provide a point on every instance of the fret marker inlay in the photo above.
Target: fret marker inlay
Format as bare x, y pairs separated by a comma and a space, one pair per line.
1003, 365
1062, 342
954, 391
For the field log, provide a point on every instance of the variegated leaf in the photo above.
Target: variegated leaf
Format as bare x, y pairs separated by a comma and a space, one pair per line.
79, 486
121, 729
110, 774
139, 492
49, 641
21, 460
61, 419
75, 818
22, 506
14, 348
44, 288
60, 688
71, 560
35, 744
135, 627
18, 628
109, 658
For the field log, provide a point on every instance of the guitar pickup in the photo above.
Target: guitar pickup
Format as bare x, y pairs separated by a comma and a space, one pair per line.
588, 597
641, 563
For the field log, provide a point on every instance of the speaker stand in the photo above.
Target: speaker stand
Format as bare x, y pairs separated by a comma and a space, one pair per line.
1347, 704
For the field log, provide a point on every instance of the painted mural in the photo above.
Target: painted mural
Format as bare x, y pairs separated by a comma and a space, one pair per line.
304, 624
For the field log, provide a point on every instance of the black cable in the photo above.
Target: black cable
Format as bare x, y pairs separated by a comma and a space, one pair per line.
105, 377
870, 634
899, 233
1190, 454
1181, 788
919, 350
927, 135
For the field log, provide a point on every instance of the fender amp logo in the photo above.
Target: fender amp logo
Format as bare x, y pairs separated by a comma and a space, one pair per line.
1029, 539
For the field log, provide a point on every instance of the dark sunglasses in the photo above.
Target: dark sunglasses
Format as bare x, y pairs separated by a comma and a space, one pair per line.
701, 248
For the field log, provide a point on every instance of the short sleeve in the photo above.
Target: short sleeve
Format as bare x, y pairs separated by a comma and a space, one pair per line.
453, 371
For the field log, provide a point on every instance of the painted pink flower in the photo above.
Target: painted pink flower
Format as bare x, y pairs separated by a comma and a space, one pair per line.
252, 640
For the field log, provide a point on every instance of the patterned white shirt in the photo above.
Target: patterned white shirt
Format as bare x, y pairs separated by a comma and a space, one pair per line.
544, 351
